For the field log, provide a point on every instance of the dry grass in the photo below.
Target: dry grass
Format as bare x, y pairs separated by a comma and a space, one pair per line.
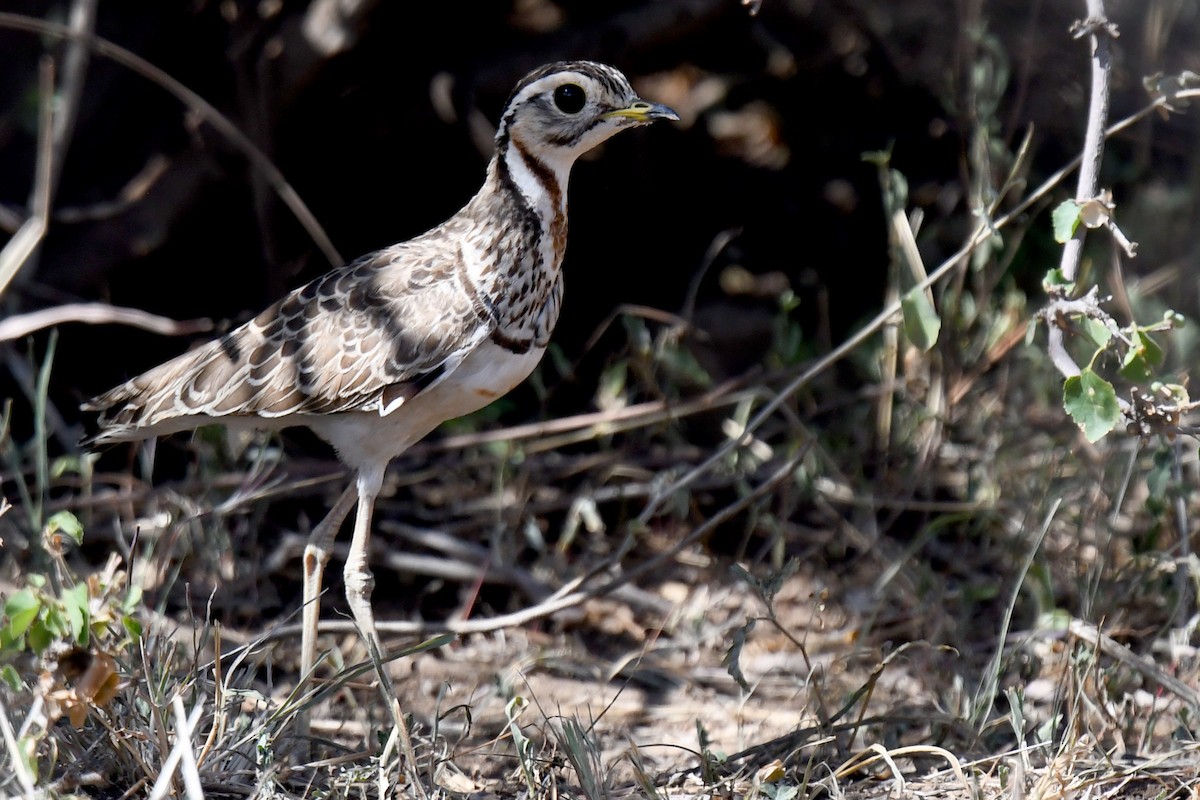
927, 584
797, 647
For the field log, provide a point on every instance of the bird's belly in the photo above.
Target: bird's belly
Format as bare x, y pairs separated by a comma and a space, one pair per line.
488, 373
364, 437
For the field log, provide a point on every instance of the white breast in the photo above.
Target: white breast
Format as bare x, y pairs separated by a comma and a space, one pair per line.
364, 437
487, 373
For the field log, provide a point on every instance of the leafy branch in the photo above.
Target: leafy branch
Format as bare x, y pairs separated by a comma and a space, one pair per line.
1088, 396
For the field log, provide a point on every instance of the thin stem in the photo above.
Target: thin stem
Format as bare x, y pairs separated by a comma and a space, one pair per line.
1099, 30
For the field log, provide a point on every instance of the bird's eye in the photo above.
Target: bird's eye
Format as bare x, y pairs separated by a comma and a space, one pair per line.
570, 98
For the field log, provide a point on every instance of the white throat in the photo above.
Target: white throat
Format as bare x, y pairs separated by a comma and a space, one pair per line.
531, 181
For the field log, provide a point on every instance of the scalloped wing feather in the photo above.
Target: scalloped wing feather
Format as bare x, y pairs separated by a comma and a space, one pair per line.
363, 337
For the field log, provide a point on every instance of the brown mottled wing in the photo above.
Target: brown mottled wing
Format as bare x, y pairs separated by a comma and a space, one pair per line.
370, 333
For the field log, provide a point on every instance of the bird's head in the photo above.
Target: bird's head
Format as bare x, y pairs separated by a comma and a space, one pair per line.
560, 111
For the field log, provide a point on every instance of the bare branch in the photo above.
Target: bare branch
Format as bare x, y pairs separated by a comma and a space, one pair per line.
1097, 27
73, 76
21, 247
196, 103
20, 325
1100, 30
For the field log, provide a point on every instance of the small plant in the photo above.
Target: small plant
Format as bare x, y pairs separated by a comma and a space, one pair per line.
583, 752
530, 770
1089, 389
60, 638
712, 762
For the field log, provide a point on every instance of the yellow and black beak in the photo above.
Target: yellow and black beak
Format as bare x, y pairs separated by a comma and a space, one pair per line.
643, 111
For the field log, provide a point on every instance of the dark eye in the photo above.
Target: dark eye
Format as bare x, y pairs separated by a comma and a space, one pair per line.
569, 98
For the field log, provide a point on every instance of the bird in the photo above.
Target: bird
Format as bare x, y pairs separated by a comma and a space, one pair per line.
375, 354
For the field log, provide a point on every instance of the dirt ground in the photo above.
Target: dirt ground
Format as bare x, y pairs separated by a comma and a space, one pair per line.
742, 534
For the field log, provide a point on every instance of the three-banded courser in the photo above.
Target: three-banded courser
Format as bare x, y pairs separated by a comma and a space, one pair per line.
375, 354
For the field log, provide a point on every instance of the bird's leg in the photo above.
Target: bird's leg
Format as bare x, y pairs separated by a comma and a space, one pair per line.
316, 556
360, 582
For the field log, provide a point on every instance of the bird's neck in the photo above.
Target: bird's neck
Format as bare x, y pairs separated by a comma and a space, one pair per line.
535, 183
515, 258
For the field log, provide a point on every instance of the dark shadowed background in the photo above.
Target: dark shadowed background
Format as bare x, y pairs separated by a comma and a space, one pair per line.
949, 504
379, 124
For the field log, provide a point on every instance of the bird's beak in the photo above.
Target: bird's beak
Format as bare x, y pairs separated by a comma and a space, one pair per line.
642, 111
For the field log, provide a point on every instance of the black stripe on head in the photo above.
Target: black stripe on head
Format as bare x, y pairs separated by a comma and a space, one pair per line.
586, 67
611, 79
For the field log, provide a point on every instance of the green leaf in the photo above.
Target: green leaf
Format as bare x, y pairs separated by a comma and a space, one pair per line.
75, 600
1092, 403
39, 637
1097, 331
64, 465
1140, 359
1134, 368
1054, 279
921, 321
11, 678
790, 346
132, 626
1065, 218
27, 751
1150, 349
132, 599
684, 367
54, 620
21, 609
66, 523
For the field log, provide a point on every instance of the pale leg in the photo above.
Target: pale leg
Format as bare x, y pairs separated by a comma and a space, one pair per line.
360, 582
316, 556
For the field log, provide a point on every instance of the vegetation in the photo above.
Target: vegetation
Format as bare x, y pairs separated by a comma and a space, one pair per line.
881, 484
